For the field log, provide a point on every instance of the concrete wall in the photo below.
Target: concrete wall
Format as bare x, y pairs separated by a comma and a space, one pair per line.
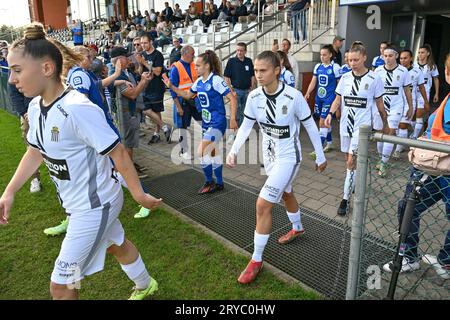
56, 16
50, 12
352, 26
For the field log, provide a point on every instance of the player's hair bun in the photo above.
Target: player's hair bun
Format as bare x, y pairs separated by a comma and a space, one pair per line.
34, 31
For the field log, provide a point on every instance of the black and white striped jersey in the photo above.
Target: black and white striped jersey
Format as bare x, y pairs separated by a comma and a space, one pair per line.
74, 138
417, 79
279, 117
358, 94
428, 76
394, 82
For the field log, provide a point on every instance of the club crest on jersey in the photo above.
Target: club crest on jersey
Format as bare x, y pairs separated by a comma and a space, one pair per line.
366, 87
77, 81
284, 109
207, 87
55, 134
329, 71
398, 78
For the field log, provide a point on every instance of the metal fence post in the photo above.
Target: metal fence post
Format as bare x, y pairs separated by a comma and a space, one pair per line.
310, 17
119, 113
255, 51
333, 14
358, 213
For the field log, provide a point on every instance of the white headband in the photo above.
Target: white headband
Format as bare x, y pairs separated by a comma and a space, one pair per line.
390, 50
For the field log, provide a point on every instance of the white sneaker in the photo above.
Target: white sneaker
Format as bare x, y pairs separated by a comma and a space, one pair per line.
439, 268
328, 148
406, 266
35, 185
186, 156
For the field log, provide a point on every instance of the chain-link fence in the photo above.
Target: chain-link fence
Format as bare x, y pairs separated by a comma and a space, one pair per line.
379, 208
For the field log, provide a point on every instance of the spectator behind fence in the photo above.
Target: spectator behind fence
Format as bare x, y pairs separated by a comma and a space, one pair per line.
77, 33
241, 11
191, 13
239, 76
299, 8
153, 15
3, 61
434, 189
177, 14
209, 14
131, 102
167, 13
225, 12
338, 42
175, 54
269, 8
165, 35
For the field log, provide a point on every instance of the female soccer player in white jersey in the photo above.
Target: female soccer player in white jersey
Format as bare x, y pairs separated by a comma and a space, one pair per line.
71, 135
417, 87
357, 93
397, 82
279, 110
210, 88
286, 74
326, 76
431, 75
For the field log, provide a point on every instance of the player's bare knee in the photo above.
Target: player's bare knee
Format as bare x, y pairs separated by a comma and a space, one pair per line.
262, 206
403, 126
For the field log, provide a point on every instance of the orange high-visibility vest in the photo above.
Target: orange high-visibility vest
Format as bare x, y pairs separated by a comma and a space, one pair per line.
185, 81
437, 130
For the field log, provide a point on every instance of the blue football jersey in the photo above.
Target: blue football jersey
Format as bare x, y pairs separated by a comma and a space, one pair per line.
210, 93
327, 77
87, 83
287, 77
345, 68
377, 61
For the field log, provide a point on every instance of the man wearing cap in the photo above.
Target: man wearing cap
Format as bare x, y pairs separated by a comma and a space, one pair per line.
338, 42
175, 54
183, 75
131, 100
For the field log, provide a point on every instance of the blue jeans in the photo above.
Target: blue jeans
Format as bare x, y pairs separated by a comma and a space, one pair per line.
298, 19
433, 190
241, 100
